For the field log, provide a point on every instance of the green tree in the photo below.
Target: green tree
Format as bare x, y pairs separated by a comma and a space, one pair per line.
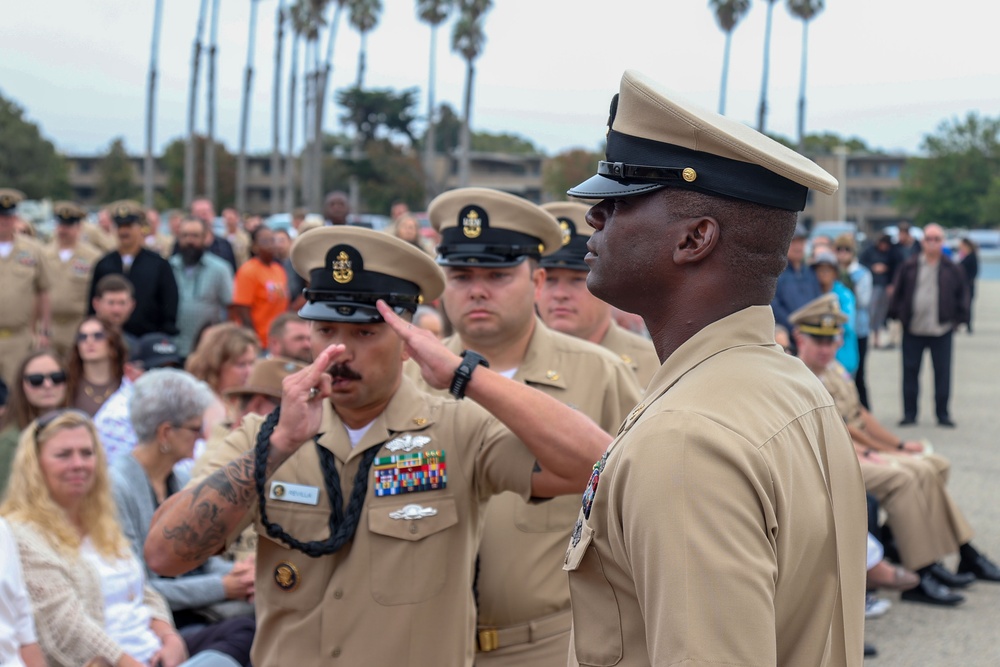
379, 113
28, 161
989, 205
805, 10
728, 13
957, 178
116, 174
173, 163
503, 142
567, 169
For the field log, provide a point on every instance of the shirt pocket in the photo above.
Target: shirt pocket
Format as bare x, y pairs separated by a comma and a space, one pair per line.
410, 546
597, 623
281, 571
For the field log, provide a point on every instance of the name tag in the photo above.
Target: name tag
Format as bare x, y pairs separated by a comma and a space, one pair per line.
294, 493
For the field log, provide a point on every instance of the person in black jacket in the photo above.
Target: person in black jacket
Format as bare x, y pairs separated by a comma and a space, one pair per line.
150, 275
968, 255
930, 298
882, 261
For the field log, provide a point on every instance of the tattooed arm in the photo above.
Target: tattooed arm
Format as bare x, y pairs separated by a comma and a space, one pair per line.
195, 523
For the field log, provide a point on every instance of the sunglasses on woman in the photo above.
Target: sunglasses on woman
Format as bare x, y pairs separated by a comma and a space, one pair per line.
38, 379
97, 336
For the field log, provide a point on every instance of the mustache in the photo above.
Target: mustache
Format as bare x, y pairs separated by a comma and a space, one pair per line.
343, 371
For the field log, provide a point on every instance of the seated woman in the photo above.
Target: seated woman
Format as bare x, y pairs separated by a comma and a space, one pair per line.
40, 386
18, 642
167, 409
88, 591
223, 359
95, 366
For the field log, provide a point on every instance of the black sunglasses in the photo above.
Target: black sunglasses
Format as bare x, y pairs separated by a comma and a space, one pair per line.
38, 379
97, 336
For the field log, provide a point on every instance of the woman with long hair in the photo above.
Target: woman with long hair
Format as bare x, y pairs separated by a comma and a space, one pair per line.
88, 591
222, 360
39, 386
95, 366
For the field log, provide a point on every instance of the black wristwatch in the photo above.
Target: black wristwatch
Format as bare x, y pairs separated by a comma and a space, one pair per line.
463, 373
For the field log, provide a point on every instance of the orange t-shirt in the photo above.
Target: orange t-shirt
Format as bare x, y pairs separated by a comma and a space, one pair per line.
264, 288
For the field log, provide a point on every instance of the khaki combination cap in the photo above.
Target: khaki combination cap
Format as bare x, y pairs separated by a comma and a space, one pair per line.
820, 317
266, 377
484, 227
572, 217
9, 199
656, 140
68, 213
126, 212
350, 268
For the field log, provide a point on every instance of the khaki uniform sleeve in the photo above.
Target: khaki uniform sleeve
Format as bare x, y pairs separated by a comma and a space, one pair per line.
623, 394
43, 281
696, 519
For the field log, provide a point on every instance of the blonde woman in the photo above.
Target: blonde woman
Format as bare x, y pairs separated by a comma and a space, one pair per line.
88, 591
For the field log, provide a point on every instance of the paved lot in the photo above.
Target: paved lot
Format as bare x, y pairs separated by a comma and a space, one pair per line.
921, 635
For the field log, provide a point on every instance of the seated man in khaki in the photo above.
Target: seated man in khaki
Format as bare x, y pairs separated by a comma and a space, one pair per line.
909, 483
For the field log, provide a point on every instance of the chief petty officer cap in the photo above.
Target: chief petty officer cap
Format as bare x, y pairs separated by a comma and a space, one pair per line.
350, 268
9, 199
483, 227
572, 218
67, 213
126, 212
656, 140
820, 318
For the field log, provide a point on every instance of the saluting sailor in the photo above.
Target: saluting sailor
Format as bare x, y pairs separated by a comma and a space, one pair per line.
366, 492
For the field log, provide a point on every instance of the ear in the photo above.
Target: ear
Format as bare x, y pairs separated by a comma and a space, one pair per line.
161, 431
538, 278
698, 238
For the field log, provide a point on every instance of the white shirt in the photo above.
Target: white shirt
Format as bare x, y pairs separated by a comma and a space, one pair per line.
17, 626
114, 425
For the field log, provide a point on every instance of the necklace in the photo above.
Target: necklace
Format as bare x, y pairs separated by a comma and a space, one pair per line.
92, 394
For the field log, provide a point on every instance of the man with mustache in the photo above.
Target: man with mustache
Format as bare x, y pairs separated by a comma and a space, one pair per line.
491, 246
365, 491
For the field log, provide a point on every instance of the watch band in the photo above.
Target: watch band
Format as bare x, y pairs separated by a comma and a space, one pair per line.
470, 360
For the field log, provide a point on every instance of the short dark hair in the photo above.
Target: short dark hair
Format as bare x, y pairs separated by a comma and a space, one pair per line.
280, 323
113, 284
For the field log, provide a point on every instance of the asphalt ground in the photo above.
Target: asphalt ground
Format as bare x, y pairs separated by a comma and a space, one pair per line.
913, 634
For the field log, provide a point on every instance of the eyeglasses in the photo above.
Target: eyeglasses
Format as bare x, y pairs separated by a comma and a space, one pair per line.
935, 239
43, 422
97, 336
38, 379
844, 248
197, 430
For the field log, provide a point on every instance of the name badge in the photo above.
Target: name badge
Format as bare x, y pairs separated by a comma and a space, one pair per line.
294, 493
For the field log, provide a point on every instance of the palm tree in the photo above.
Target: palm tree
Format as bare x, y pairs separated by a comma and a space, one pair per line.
727, 14
307, 21
213, 47
190, 146
762, 111
292, 84
363, 17
805, 10
148, 163
279, 39
241, 161
433, 13
468, 39
320, 87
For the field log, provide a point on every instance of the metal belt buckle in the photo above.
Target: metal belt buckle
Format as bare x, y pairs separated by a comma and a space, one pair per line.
6, 333
488, 640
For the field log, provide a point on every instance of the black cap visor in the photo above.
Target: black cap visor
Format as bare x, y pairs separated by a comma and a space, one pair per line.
353, 309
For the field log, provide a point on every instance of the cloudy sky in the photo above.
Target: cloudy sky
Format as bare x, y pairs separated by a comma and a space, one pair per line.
888, 71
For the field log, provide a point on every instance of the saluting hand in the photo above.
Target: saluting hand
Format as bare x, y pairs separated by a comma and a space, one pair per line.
437, 363
302, 396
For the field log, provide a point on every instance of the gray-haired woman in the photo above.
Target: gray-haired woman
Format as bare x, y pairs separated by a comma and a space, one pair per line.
166, 410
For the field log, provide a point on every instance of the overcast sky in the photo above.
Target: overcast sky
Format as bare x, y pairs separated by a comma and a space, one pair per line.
887, 71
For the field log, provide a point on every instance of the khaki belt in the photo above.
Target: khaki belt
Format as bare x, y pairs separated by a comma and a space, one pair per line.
66, 318
491, 639
7, 333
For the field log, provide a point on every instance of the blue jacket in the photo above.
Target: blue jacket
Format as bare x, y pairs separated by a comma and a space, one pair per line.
795, 289
847, 355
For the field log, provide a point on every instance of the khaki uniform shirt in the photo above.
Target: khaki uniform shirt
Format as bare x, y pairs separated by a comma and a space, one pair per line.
727, 526
520, 559
400, 593
70, 281
636, 351
97, 237
23, 275
841, 386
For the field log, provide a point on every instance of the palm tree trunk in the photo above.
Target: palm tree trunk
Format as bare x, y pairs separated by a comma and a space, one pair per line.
429, 139
762, 111
802, 87
308, 85
241, 166
279, 38
323, 83
210, 177
293, 77
148, 167
189, 147
354, 189
465, 146
725, 73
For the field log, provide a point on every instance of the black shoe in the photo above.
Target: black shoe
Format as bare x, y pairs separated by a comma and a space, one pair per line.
932, 591
946, 422
981, 567
907, 421
870, 650
951, 580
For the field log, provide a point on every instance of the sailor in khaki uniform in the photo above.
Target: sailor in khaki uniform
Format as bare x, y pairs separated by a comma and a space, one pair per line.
490, 248
908, 482
726, 523
365, 491
70, 263
565, 304
24, 290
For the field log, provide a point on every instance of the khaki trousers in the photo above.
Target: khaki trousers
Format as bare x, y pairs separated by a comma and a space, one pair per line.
15, 345
545, 644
